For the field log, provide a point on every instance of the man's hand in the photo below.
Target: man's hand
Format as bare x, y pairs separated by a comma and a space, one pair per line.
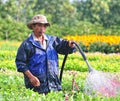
71, 44
34, 80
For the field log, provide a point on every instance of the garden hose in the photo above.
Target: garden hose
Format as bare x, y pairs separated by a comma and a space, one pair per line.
62, 68
84, 57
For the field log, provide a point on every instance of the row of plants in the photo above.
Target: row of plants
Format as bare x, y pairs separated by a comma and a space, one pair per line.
74, 61
97, 43
89, 43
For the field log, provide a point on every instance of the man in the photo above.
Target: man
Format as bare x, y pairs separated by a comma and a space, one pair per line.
37, 57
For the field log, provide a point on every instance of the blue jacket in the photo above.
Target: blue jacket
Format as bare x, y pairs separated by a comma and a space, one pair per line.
42, 63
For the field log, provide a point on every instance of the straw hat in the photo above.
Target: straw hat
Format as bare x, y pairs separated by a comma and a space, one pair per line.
38, 19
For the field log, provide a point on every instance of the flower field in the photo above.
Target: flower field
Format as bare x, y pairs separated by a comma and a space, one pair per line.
12, 83
88, 39
101, 43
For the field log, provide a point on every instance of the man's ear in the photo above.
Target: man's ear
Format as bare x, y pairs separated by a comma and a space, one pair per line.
33, 26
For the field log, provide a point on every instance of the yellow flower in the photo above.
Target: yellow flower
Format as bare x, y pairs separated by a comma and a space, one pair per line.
88, 39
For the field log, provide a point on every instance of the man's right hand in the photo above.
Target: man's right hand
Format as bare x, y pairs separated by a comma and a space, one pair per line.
34, 80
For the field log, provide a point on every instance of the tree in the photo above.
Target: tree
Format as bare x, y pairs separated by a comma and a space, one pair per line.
62, 12
92, 10
20, 10
113, 17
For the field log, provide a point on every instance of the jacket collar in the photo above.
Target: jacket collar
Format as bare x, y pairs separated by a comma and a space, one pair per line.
35, 38
35, 42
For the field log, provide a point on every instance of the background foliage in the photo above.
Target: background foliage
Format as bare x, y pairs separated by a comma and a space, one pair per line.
67, 18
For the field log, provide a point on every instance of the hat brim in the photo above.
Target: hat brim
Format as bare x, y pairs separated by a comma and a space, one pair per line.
29, 24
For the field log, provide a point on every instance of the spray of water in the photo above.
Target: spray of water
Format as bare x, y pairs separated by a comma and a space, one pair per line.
101, 83
98, 82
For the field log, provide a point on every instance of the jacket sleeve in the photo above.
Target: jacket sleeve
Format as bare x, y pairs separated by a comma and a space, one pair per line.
62, 46
22, 57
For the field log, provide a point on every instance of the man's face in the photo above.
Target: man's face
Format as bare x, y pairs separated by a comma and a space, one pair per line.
39, 29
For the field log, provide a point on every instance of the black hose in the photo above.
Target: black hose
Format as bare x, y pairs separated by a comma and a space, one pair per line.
84, 57
81, 51
62, 68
